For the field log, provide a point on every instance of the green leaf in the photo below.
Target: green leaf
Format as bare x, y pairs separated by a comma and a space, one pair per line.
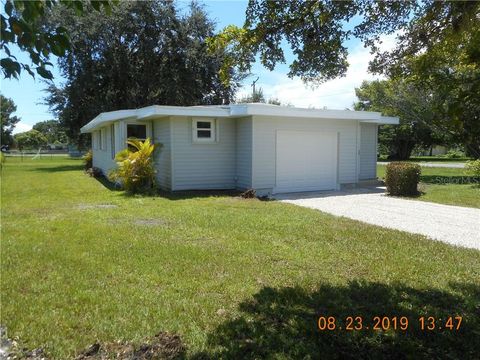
44, 73
9, 8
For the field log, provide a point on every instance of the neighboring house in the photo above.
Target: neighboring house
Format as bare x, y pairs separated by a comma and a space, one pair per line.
269, 148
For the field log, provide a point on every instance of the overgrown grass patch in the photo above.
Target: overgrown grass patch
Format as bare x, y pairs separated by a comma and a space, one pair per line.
235, 278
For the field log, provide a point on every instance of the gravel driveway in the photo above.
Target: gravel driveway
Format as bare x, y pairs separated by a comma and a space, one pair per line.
451, 224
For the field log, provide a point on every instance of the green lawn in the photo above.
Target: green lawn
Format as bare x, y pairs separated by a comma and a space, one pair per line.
445, 186
234, 278
432, 159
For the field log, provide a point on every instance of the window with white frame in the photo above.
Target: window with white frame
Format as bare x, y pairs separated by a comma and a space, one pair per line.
204, 130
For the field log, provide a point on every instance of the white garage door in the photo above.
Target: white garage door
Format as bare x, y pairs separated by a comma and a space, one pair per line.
306, 161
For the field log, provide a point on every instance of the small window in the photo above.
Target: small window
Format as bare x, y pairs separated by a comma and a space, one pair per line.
112, 138
99, 144
203, 130
103, 139
137, 131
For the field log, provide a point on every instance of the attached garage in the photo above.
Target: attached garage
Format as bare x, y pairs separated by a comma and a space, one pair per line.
306, 161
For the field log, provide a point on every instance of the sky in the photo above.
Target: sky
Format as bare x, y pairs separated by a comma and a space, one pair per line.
28, 93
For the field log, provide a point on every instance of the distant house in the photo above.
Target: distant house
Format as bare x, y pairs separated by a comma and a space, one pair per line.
272, 149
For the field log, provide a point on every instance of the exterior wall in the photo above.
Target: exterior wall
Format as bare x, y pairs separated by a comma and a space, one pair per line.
102, 157
163, 155
264, 147
202, 166
244, 153
368, 151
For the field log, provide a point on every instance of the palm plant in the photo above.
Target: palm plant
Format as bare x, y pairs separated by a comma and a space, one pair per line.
135, 169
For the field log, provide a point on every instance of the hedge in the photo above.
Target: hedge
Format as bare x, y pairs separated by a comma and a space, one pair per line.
401, 178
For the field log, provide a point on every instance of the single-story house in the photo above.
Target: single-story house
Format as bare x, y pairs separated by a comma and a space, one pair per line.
269, 148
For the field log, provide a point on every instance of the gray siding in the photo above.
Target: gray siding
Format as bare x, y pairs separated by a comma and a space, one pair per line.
102, 158
244, 153
203, 166
368, 151
163, 161
264, 143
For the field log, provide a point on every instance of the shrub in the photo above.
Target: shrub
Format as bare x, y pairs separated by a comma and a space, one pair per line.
249, 194
401, 178
88, 160
454, 154
135, 170
95, 172
473, 167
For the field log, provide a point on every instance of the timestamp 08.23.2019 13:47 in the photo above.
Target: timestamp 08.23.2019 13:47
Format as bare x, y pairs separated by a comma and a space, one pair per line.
385, 323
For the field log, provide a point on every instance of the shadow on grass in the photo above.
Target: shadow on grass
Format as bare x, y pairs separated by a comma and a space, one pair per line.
282, 323
176, 195
52, 169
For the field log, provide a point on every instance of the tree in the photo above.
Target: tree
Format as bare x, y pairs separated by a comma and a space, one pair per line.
145, 53
317, 32
255, 97
32, 139
438, 47
52, 130
415, 108
9, 121
21, 26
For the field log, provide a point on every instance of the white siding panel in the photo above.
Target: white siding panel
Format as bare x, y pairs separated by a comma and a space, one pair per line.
198, 166
244, 153
162, 157
102, 158
264, 143
368, 151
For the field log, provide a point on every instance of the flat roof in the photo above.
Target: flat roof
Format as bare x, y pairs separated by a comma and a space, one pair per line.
234, 111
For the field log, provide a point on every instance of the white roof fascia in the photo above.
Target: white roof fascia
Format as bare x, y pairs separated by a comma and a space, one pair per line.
233, 111
285, 111
384, 120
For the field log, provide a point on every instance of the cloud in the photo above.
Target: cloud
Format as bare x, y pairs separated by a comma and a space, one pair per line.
334, 94
22, 127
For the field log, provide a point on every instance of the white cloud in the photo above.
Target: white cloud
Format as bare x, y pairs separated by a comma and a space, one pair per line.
22, 127
334, 94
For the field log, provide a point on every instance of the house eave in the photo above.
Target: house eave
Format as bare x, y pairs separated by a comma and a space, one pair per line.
234, 111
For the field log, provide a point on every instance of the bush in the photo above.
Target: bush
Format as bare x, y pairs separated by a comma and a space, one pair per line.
88, 160
95, 172
473, 167
401, 178
135, 170
454, 154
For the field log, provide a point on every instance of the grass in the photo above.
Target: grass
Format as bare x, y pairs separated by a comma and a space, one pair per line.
431, 159
234, 278
451, 186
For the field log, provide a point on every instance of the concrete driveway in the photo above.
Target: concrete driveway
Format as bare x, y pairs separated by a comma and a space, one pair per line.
451, 224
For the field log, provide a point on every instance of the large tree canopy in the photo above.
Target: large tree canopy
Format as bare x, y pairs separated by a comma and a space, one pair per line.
438, 47
52, 130
21, 26
31, 139
317, 31
144, 53
9, 120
